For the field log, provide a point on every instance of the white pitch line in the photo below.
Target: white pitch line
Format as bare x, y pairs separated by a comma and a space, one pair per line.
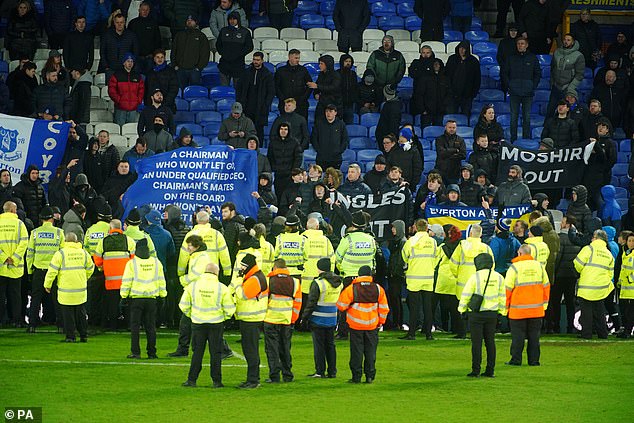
110, 363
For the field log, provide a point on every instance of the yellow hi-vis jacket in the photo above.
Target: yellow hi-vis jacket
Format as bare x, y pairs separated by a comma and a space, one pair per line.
268, 255
595, 265
290, 247
420, 255
207, 300
14, 240
71, 267
462, 265
494, 296
216, 249
539, 249
317, 246
94, 235
143, 278
355, 250
446, 280
137, 234
197, 266
44, 242
285, 298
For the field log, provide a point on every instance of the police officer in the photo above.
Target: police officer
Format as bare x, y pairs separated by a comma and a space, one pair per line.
367, 308
14, 240
290, 246
539, 249
356, 249
143, 282
71, 267
96, 283
420, 256
208, 303
321, 311
44, 242
595, 266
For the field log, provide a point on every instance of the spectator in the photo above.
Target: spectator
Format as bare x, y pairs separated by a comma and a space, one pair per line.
566, 279
306, 190
255, 91
566, 71
267, 201
351, 18
280, 12
483, 158
125, 88
138, 152
431, 193
30, 191
79, 47
162, 239
219, 16
263, 162
610, 212
463, 70
22, 90
453, 197
185, 139
6, 189
82, 193
349, 87
76, 145
329, 139
586, 31
284, 154
50, 100
404, 155
513, 191
612, 99
155, 108
327, 89
621, 47
419, 70
578, 111
291, 82
390, 117
157, 138
22, 29
622, 78
80, 96
432, 15
561, 129
235, 129
97, 14
233, 224
395, 182
488, 125
504, 245
521, 75
500, 22
354, 185
116, 44
598, 172
297, 123
461, 15
59, 187
506, 49
589, 125
74, 221
58, 21
370, 93
233, 43
164, 77
148, 35
435, 98
54, 63
374, 178
116, 185
388, 64
534, 24
520, 230
178, 12
450, 150
472, 193
190, 53
101, 160
290, 197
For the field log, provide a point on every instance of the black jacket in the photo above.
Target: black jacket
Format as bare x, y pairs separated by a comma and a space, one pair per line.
349, 85
147, 33
369, 93
31, 194
290, 82
329, 140
485, 159
58, 17
589, 125
79, 50
471, 193
80, 99
599, 169
98, 167
493, 131
434, 94
564, 132
409, 161
506, 49
464, 74
297, 125
419, 70
59, 192
233, 44
612, 102
112, 189
53, 97
232, 229
521, 74
450, 150
351, 16
22, 90
564, 267
114, 47
255, 91
433, 13
284, 155
21, 33
534, 20
579, 209
589, 37
329, 84
389, 120
147, 115
374, 179
163, 77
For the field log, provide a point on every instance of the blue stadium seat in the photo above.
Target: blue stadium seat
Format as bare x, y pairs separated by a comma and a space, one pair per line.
210, 80
202, 140
476, 24
537, 132
622, 157
537, 121
305, 7
212, 67
369, 119
541, 96
181, 104
224, 105
501, 108
184, 116
406, 10
330, 23
357, 131
625, 146
484, 47
474, 36
211, 129
361, 143
311, 21
312, 67
587, 73
619, 134
201, 104
430, 155
374, 24
221, 91
310, 155
545, 71
489, 96
205, 117
624, 181
623, 204
504, 120
367, 155
270, 66
450, 36
258, 21
464, 131
326, 8
413, 23
526, 143
4, 67
585, 84
621, 192
494, 72
193, 127
433, 132
383, 9
620, 169
544, 84
391, 22
544, 59
372, 132
349, 156
488, 59
195, 91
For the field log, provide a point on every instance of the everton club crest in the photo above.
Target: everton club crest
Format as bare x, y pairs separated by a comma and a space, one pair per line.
8, 145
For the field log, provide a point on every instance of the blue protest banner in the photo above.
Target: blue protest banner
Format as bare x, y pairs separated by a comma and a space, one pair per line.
191, 178
26, 141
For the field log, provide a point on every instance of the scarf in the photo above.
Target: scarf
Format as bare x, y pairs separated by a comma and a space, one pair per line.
160, 67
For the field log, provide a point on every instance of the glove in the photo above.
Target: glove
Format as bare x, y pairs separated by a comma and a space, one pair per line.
300, 267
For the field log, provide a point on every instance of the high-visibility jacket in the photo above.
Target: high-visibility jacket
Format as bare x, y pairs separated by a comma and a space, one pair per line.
268, 255
420, 255
137, 234
595, 265
627, 283
355, 250
14, 240
197, 266
527, 288
94, 234
462, 265
71, 266
252, 296
290, 247
317, 246
365, 302
236, 279
143, 278
539, 249
112, 254
494, 295
44, 242
207, 300
325, 313
627, 267
216, 249
445, 279
285, 298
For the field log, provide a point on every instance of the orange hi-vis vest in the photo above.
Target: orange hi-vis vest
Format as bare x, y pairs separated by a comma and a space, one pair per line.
112, 254
365, 303
527, 288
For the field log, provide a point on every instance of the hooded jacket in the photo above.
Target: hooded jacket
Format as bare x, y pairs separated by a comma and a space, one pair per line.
31, 194
448, 202
396, 264
233, 43
579, 208
349, 84
284, 154
178, 143
506, 48
165, 78
612, 100
372, 93
610, 213
190, 49
176, 226
374, 179
218, 18
298, 127
22, 90
389, 119
471, 192
540, 197
329, 83
567, 67
80, 99
504, 246
588, 35
521, 74
329, 140
73, 223
551, 239
564, 267
484, 159
599, 169
513, 193
264, 166
434, 93
450, 150
464, 74
389, 67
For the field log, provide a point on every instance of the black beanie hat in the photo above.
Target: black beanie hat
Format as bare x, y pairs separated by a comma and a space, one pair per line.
249, 261
536, 230
324, 264
134, 217
365, 271
358, 219
142, 249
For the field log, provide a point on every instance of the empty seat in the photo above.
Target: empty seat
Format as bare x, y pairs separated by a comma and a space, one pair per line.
211, 129
220, 92
100, 79
319, 34
224, 105
193, 127
326, 8
278, 56
436, 46
484, 47
264, 33
367, 155
202, 140
208, 116
349, 156
357, 131
373, 34
129, 129
488, 59
195, 91
311, 56
369, 119
292, 34
476, 36
301, 45
527, 144
268, 45
383, 9
405, 10
119, 141
620, 169
452, 36
621, 192
544, 59
311, 21
324, 45
387, 23
488, 95
200, 104
433, 132
361, 143
411, 46
181, 104
184, 116
399, 35
360, 56
460, 119
623, 157
307, 7
112, 128
310, 155
541, 95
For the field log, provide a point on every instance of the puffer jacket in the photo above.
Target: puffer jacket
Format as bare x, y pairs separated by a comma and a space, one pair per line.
493, 130
177, 11
564, 267
31, 194
464, 74
389, 67
521, 74
513, 193
22, 90
126, 89
147, 33
484, 159
20, 38
349, 85
114, 47
329, 84
564, 132
567, 67
290, 82
552, 240
233, 44
59, 16
610, 213
53, 97
163, 77
352, 188
471, 192
79, 50
190, 50
579, 208
369, 93
451, 150
284, 155
218, 18
589, 37
434, 95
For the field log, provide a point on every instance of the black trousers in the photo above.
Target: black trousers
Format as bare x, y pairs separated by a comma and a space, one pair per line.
483, 326
416, 299
593, 314
326, 164
363, 345
395, 301
627, 308
75, 318
172, 312
281, 183
184, 335
342, 324
206, 334
324, 350
522, 329
37, 294
56, 41
563, 287
11, 295
431, 31
446, 302
277, 345
143, 310
503, 9
250, 332
111, 301
96, 293
462, 104
457, 324
612, 309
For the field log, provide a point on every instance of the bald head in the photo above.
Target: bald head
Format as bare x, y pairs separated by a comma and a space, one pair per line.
115, 224
312, 223
10, 207
202, 217
212, 268
70, 237
476, 231
525, 250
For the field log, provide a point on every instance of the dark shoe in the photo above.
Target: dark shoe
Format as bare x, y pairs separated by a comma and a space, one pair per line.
249, 385
534, 364
341, 337
460, 337
316, 376
177, 354
512, 363
68, 340
473, 374
584, 337
272, 381
354, 381
429, 337
227, 354
217, 385
288, 379
134, 356
332, 376
408, 337
189, 384
83, 340
152, 356
30, 329
487, 374
369, 379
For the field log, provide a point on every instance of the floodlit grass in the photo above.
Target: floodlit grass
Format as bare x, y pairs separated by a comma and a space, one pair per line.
416, 381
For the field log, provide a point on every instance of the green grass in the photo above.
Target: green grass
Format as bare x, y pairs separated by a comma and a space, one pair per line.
416, 381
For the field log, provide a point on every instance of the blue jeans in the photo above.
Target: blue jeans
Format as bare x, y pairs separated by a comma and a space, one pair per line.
188, 77
526, 116
122, 117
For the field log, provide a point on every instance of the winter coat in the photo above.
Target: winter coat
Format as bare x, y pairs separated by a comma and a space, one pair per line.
372, 93
358, 187
471, 193
329, 140
578, 112
599, 169
564, 132
579, 208
349, 84
450, 150
126, 89
351, 17
307, 192
131, 156
504, 246
435, 94
506, 48
284, 155
22, 90
432, 13
163, 243
589, 126
461, 8
424, 195
389, 119
255, 91
409, 162
21, 33
59, 16
588, 35
113, 188
298, 127
534, 20
79, 50
190, 50
147, 33
233, 44
564, 267
419, 70
243, 123
98, 167
464, 74
218, 18
75, 149
552, 240
59, 192
513, 193
610, 212
114, 47
389, 67
276, 7
329, 84
95, 12
612, 101
178, 142
567, 67
163, 77
31, 194
622, 78
80, 98
521, 74
179, 230
177, 11
53, 97
158, 142
149, 112
374, 179
73, 223
290, 82
484, 159
232, 229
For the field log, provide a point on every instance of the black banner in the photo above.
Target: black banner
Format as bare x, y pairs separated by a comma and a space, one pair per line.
544, 169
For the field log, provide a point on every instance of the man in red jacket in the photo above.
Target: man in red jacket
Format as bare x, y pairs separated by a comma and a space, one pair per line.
126, 89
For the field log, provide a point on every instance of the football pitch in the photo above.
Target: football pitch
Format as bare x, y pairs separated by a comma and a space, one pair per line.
417, 381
